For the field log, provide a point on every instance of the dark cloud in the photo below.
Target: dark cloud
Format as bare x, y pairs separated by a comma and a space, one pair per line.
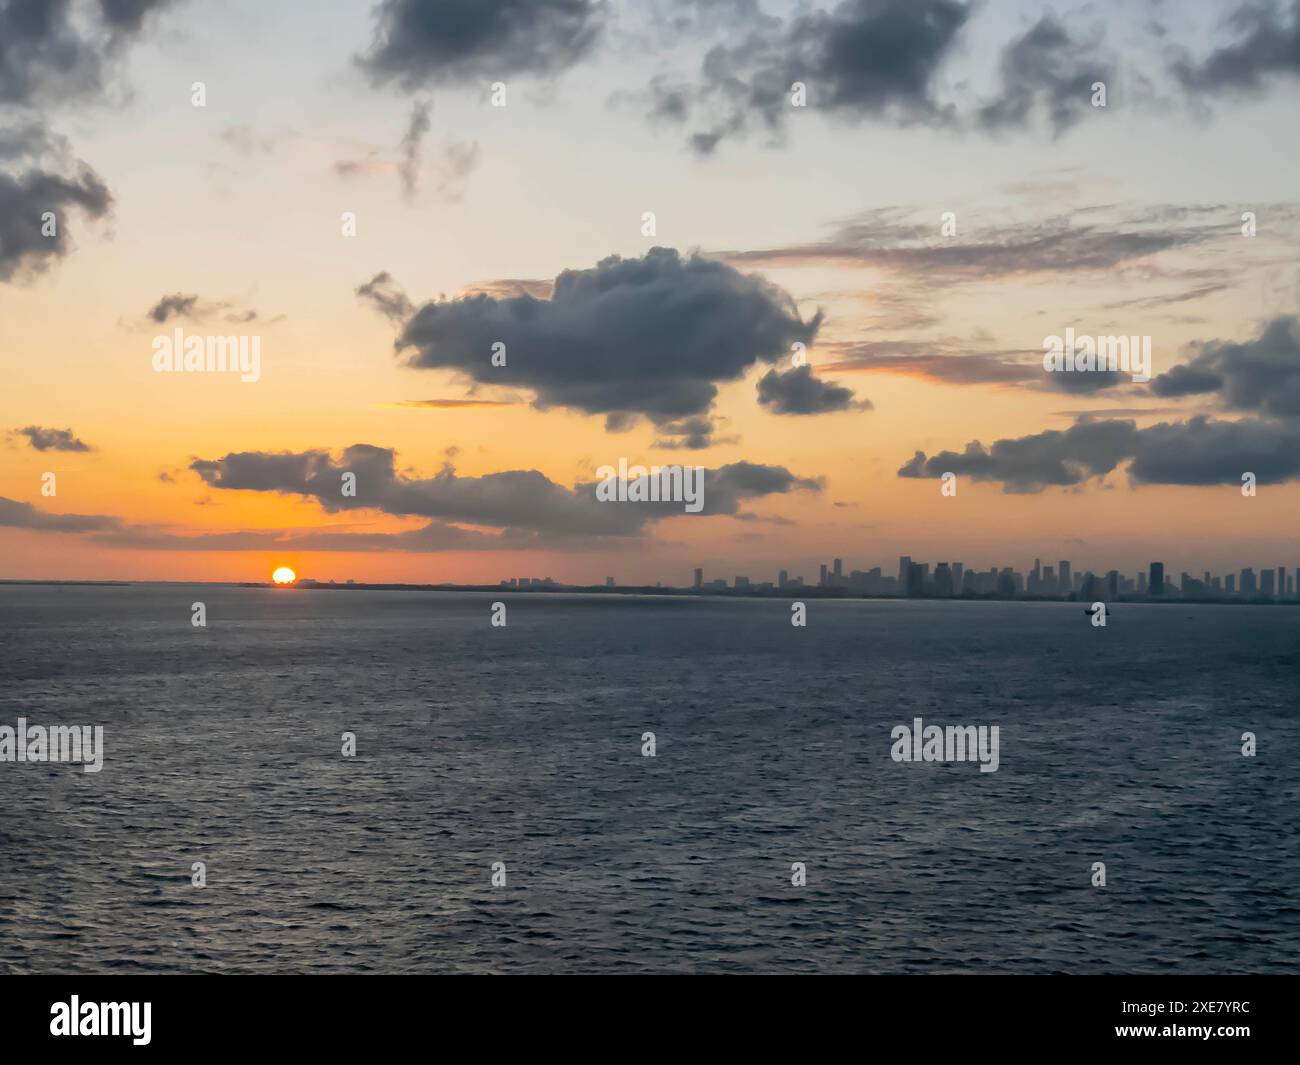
690, 434
177, 305
525, 501
1198, 451
419, 43
1084, 383
1048, 71
1202, 452
386, 296
797, 391
1267, 46
1028, 464
651, 336
53, 51
192, 308
1261, 375
863, 59
129, 15
39, 177
15, 515
52, 439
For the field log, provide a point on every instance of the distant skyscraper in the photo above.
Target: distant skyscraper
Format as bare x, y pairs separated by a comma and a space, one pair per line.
1142, 584
1266, 583
1281, 581
943, 580
1156, 581
822, 581
1248, 587
916, 574
783, 578
1112, 584
904, 568
838, 570
957, 571
699, 578
1063, 568
1230, 584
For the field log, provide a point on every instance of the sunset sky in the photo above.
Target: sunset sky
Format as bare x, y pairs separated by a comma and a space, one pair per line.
774, 224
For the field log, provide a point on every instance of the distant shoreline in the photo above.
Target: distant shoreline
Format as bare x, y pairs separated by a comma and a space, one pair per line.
789, 594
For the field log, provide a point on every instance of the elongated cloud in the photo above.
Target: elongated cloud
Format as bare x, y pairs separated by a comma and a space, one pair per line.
891, 240
525, 501
797, 391
1199, 451
420, 43
52, 439
16, 515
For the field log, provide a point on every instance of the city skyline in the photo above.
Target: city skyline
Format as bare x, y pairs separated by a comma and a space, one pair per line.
952, 578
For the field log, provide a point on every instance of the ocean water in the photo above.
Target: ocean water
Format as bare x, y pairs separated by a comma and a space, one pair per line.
522, 745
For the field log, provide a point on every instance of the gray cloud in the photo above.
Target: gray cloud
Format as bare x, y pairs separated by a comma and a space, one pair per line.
1030, 463
650, 336
420, 43
409, 168
39, 176
689, 434
177, 305
1260, 375
887, 239
797, 391
192, 308
52, 439
52, 51
1267, 46
453, 162
1198, 451
382, 292
865, 58
16, 515
1049, 71
524, 501
1202, 452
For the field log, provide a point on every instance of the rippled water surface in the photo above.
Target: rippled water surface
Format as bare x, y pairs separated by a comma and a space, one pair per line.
522, 745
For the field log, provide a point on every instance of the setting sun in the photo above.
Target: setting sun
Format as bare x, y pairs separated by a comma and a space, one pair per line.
284, 575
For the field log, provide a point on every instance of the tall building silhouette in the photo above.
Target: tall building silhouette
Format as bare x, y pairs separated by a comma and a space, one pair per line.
1156, 580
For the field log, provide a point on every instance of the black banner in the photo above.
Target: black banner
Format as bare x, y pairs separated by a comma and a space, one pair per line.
146, 1014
